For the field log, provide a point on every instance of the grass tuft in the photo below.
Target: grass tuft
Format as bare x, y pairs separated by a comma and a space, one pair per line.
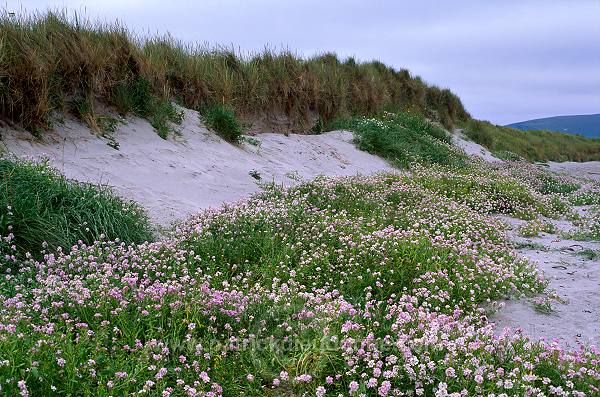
223, 121
44, 209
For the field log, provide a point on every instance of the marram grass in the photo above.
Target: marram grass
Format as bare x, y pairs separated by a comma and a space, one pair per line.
44, 210
51, 60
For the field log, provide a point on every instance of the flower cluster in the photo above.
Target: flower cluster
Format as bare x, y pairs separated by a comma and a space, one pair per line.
360, 286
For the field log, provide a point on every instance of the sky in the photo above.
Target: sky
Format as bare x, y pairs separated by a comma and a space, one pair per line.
507, 60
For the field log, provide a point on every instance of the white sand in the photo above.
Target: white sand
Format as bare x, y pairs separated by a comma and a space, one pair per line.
175, 177
574, 278
590, 169
472, 148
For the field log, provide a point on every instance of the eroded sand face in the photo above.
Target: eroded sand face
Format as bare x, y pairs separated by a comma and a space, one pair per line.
195, 170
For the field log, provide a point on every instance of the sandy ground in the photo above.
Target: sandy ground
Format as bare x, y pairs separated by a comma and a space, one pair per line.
194, 170
574, 278
590, 169
472, 148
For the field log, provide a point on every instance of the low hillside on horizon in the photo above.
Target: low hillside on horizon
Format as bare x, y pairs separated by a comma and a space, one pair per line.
585, 124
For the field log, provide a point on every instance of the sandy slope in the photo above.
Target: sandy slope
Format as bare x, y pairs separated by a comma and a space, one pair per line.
472, 148
175, 177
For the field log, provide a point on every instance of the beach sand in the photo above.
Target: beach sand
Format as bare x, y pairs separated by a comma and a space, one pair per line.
195, 169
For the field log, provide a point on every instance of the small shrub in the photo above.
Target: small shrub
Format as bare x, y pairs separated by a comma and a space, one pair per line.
551, 184
589, 226
223, 121
589, 254
255, 174
585, 197
250, 140
107, 124
164, 112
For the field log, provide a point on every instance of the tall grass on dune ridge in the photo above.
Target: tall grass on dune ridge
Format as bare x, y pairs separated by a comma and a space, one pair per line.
52, 60
509, 142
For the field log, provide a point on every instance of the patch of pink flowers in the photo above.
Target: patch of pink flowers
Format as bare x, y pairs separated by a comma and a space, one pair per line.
353, 286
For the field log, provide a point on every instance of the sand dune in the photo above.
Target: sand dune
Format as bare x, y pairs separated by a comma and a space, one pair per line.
195, 169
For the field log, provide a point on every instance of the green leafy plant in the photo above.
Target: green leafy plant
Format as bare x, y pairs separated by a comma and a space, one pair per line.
402, 138
255, 174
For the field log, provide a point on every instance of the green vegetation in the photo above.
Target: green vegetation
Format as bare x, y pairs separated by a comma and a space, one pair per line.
404, 139
49, 59
589, 226
534, 227
533, 145
292, 292
490, 191
529, 246
223, 121
135, 96
551, 184
585, 197
44, 209
589, 254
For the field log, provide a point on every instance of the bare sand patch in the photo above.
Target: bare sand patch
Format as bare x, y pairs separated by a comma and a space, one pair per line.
574, 278
195, 169
471, 148
589, 169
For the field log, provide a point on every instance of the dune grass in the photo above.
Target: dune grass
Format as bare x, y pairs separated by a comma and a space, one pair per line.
42, 209
511, 143
51, 60
54, 63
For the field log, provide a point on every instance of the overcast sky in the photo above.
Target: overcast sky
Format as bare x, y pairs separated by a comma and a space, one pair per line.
507, 60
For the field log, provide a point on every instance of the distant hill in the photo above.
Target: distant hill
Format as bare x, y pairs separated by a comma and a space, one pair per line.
585, 124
